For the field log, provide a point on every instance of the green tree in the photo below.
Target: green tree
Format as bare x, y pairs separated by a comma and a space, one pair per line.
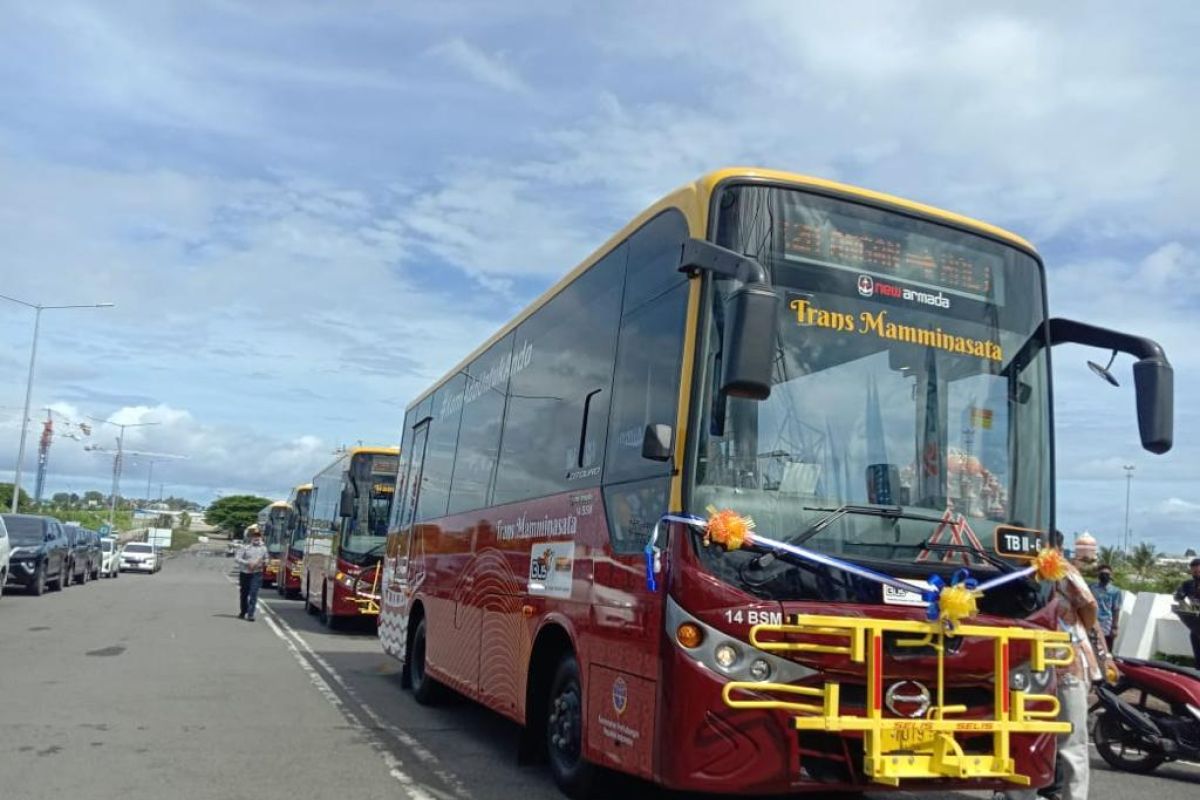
93, 497
235, 513
1111, 556
6, 490
1189, 553
1142, 560
185, 521
61, 500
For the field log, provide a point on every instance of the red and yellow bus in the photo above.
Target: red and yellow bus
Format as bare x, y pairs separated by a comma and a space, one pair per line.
347, 532
292, 543
272, 524
866, 377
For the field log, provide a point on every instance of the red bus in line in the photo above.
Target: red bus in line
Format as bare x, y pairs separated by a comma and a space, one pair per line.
292, 543
272, 524
855, 372
347, 532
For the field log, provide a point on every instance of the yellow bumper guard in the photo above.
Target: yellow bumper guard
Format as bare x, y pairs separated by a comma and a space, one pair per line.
924, 748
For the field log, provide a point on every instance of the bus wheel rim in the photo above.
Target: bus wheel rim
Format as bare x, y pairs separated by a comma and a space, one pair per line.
566, 722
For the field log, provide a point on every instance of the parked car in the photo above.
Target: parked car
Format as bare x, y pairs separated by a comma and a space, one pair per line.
139, 557
110, 556
95, 555
81, 554
40, 553
5, 554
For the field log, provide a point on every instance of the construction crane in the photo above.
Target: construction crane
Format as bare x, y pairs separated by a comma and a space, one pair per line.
70, 430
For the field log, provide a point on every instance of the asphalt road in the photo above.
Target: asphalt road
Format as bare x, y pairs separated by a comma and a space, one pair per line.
149, 686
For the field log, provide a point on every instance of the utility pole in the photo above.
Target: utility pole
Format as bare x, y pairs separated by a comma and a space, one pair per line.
37, 322
1129, 468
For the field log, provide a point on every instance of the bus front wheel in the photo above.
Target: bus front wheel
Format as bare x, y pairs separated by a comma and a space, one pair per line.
564, 732
426, 690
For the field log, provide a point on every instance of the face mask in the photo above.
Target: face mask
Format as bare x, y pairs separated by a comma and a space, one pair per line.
1105, 579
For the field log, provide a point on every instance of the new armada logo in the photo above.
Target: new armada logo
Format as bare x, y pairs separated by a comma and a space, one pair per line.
908, 699
869, 287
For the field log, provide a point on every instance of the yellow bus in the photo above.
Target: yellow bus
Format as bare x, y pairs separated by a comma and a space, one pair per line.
272, 525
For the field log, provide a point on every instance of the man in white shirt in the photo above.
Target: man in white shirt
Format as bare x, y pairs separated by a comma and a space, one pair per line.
250, 560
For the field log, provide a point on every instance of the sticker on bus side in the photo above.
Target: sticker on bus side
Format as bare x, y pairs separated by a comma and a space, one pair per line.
551, 565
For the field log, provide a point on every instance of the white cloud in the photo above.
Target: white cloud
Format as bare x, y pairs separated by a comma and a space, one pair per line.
487, 68
1178, 507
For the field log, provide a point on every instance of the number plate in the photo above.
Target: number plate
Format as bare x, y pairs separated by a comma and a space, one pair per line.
896, 597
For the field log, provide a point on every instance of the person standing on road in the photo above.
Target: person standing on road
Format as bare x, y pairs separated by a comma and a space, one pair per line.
1189, 591
251, 560
1077, 617
1108, 604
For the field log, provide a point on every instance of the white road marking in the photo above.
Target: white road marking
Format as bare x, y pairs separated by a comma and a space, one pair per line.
393, 764
402, 737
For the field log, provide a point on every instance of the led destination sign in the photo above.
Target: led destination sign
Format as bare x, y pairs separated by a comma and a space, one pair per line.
885, 245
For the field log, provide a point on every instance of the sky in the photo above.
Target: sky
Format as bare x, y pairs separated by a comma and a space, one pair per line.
306, 212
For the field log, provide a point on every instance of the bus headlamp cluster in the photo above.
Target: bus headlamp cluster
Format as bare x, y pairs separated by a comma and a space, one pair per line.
725, 655
1024, 679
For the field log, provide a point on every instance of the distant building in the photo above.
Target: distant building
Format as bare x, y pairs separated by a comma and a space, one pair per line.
1086, 548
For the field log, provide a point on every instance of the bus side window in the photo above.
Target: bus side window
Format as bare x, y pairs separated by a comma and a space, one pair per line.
646, 382
479, 434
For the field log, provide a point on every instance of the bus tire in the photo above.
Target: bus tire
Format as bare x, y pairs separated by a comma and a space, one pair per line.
327, 618
309, 608
426, 690
575, 776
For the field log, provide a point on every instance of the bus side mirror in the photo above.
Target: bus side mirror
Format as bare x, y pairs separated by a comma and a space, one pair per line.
1153, 377
751, 312
346, 504
1154, 384
656, 442
748, 350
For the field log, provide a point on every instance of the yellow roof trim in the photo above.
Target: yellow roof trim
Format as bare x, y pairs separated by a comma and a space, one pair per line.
303, 487
692, 199
709, 182
373, 451
280, 504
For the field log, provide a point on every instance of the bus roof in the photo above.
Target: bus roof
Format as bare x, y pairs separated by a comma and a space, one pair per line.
280, 504
371, 451
303, 487
692, 200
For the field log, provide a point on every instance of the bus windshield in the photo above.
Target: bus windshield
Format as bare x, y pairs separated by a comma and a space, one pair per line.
373, 478
909, 377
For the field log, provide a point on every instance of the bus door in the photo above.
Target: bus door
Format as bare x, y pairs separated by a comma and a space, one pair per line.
406, 551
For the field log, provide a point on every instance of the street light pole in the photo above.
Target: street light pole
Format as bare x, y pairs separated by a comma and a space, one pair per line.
117, 459
1129, 468
37, 323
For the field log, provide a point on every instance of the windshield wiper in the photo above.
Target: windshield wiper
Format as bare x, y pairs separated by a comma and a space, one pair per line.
832, 515
995, 561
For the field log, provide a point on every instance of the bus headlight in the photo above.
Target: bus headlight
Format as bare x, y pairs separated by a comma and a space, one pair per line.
726, 655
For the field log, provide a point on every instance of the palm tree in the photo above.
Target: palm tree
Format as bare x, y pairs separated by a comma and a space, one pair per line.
1111, 556
1143, 559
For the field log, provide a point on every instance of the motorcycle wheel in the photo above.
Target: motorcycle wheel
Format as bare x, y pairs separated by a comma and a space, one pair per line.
1118, 746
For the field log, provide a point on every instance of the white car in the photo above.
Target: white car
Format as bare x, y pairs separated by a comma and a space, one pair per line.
5, 555
110, 557
139, 557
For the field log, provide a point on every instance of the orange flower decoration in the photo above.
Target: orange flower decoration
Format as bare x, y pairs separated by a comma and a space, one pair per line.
727, 528
1050, 564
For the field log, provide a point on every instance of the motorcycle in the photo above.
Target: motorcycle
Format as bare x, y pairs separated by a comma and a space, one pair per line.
1151, 715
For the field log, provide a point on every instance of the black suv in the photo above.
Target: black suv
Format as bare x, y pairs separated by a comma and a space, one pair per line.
81, 555
95, 554
41, 554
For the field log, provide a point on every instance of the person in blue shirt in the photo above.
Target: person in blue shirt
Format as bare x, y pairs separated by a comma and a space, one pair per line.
1108, 604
